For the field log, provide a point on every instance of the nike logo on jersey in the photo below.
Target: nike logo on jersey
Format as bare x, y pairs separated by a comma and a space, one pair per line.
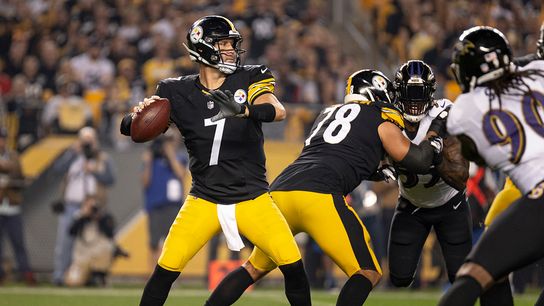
456, 206
263, 70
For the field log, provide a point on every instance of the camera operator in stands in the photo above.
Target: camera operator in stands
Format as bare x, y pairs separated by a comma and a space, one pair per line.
89, 171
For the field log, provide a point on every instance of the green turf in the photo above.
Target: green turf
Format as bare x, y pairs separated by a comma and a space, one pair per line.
50, 296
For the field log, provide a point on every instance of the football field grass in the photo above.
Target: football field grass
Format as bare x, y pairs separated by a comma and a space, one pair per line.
51, 296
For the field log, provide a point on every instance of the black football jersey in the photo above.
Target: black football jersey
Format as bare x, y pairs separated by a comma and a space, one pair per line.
343, 149
227, 159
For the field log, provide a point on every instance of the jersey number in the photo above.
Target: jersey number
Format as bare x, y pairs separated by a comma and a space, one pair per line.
504, 128
216, 146
339, 128
411, 179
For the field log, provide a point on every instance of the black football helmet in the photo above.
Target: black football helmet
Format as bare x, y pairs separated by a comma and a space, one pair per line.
540, 43
482, 54
203, 36
415, 85
369, 85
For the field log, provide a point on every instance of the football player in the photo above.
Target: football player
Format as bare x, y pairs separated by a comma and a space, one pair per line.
497, 119
219, 112
345, 146
426, 200
501, 290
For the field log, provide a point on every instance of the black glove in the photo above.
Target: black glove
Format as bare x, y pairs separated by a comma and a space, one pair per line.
438, 144
386, 173
228, 107
439, 123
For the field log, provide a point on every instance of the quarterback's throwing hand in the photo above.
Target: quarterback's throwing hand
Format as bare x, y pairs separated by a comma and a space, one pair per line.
228, 107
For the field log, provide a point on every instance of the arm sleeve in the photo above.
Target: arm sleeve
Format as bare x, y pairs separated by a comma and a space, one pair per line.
419, 158
261, 81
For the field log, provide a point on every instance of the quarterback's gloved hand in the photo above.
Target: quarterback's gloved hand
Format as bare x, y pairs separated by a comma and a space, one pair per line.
438, 124
228, 107
386, 173
438, 144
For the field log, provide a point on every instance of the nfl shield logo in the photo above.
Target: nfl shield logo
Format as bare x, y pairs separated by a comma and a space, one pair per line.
210, 104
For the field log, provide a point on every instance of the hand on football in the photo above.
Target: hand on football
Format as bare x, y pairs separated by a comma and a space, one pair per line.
228, 107
141, 105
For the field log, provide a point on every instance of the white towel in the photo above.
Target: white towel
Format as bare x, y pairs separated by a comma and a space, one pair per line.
227, 219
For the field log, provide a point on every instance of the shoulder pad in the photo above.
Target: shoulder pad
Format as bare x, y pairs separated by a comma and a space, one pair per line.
261, 81
390, 113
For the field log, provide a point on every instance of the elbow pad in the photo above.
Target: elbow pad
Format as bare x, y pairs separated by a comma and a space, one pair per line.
262, 112
419, 158
125, 125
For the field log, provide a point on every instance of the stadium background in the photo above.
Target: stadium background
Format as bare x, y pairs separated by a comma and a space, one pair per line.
310, 45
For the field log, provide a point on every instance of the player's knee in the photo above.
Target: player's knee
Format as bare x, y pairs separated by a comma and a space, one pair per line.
255, 273
372, 275
479, 273
400, 281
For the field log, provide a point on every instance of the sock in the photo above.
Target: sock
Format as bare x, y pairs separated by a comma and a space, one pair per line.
297, 288
498, 295
464, 292
157, 287
355, 291
230, 288
540, 301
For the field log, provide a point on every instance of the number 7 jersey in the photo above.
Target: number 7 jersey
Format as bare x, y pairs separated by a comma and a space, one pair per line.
509, 136
227, 160
342, 150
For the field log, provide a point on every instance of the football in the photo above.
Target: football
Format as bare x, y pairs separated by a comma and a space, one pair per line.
151, 121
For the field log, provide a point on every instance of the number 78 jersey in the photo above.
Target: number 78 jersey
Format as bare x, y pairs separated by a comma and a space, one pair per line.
343, 149
509, 135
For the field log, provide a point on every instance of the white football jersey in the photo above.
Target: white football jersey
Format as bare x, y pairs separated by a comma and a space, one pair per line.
426, 190
509, 138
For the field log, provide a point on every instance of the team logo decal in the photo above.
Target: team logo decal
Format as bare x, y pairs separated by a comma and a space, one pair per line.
196, 34
240, 96
210, 104
536, 192
379, 82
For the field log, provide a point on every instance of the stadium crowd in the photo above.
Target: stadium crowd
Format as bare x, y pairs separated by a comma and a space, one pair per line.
65, 64
427, 30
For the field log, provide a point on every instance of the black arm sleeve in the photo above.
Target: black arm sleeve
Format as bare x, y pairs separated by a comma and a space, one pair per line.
419, 158
125, 124
262, 112
526, 59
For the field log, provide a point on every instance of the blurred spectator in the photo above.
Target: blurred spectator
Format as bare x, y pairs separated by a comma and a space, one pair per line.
92, 69
161, 66
89, 171
66, 112
163, 175
94, 246
11, 221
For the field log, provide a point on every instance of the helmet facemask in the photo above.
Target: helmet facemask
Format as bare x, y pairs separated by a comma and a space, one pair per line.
415, 85
540, 43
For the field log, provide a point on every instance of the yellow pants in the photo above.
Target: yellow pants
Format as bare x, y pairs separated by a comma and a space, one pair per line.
508, 195
331, 222
259, 220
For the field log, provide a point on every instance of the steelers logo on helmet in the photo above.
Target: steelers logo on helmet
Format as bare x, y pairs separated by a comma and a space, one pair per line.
379, 82
196, 34
240, 96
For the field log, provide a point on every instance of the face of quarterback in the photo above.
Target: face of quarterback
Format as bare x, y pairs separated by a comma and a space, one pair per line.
226, 48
